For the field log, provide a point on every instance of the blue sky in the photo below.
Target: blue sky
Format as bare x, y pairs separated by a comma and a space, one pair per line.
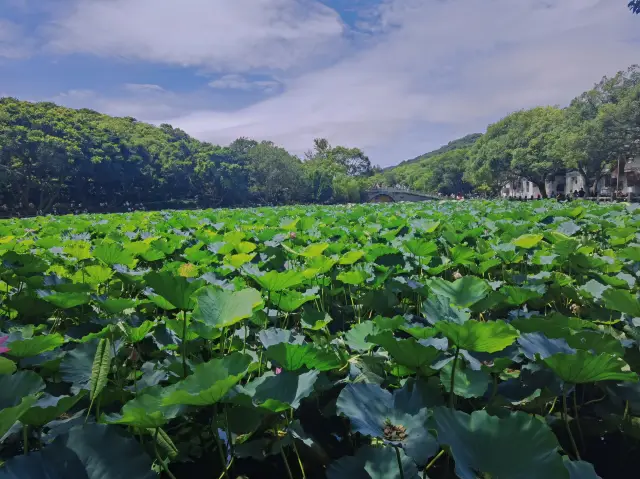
394, 77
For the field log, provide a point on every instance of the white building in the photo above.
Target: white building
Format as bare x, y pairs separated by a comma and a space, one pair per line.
572, 180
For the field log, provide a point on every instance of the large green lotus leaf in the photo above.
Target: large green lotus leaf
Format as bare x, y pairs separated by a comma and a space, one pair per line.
7, 366
314, 320
112, 254
537, 344
76, 365
373, 463
439, 308
351, 257
407, 352
516, 446
596, 342
463, 292
18, 392
18, 385
354, 277
295, 356
36, 345
371, 410
48, 408
176, 291
487, 337
280, 392
66, 300
528, 241
622, 301
290, 301
580, 469
517, 296
356, 337
117, 305
584, 367
221, 308
421, 248
146, 410
92, 451
552, 326
136, 334
279, 281
209, 382
468, 383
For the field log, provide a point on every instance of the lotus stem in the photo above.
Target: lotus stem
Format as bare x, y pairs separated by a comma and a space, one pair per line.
452, 396
432, 462
184, 344
566, 423
575, 408
399, 462
25, 438
286, 464
223, 459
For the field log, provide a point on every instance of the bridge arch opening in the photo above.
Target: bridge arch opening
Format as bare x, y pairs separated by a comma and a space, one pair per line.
382, 199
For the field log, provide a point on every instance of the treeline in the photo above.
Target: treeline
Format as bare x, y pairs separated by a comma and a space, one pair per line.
599, 128
56, 159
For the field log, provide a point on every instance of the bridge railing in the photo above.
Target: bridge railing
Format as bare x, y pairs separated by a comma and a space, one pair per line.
395, 190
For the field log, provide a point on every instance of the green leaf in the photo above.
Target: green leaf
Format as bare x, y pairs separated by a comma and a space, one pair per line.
10, 415
356, 337
117, 305
177, 292
112, 254
467, 383
516, 446
407, 352
47, 408
277, 281
622, 301
351, 257
280, 392
373, 463
91, 451
7, 366
290, 301
463, 292
18, 392
67, 300
584, 367
488, 337
36, 345
135, 335
209, 382
221, 308
100, 369
146, 410
354, 277
421, 248
528, 241
295, 356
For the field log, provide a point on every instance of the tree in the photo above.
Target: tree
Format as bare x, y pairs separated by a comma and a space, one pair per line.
521, 145
353, 159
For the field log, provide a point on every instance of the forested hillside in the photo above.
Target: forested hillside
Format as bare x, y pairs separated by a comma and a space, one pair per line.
59, 159
598, 128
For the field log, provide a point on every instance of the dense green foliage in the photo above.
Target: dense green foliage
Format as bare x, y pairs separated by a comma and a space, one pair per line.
598, 128
53, 157
453, 339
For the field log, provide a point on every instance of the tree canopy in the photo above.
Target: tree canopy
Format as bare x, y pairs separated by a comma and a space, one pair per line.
59, 159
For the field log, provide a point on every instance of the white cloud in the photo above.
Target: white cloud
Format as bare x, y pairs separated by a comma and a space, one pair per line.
238, 82
14, 43
143, 87
451, 66
236, 35
430, 71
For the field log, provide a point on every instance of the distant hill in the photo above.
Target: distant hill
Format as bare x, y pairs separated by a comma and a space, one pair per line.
463, 142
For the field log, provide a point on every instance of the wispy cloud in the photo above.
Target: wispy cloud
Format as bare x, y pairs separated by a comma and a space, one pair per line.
411, 74
238, 82
219, 35
14, 43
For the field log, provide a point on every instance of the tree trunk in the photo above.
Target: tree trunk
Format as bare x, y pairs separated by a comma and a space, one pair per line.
542, 187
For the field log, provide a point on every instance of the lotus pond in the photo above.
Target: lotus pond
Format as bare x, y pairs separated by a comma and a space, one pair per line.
442, 340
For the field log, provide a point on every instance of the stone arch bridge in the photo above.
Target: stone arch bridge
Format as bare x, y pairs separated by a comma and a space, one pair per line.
391, 195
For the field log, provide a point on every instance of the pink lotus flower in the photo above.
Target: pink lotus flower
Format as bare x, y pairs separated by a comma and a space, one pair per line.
278, 370
3, 340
